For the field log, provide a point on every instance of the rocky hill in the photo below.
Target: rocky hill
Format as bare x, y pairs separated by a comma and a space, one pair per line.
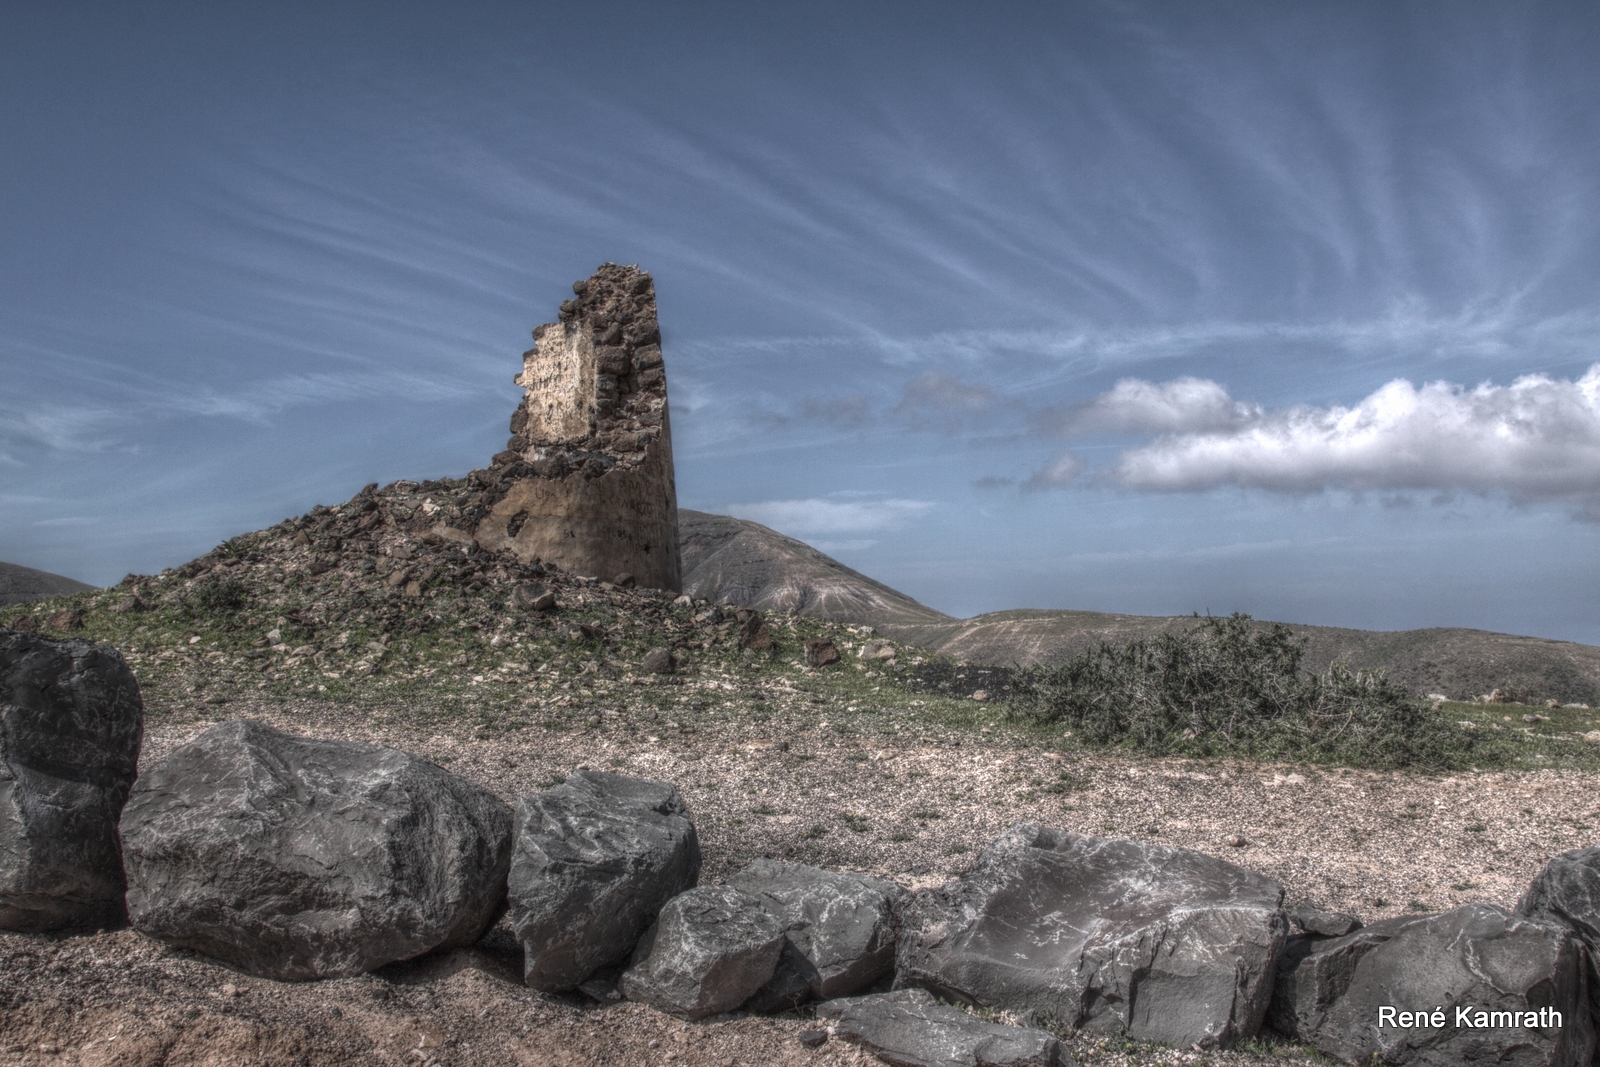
20, 585
734, 561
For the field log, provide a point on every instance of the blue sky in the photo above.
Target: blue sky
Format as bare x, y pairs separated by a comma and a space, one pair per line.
1281, 308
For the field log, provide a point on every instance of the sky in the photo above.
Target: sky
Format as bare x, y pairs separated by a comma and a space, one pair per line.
1156, 308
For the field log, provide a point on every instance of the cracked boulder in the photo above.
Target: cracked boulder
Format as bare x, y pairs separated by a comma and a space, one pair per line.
1162, 944
596, 858
71, 722
1567, 891
298, 858
909, 1028
839, 925
711, 950
1490, 987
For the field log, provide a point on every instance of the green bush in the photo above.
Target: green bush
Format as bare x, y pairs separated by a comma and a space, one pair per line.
1230, 687
216, 596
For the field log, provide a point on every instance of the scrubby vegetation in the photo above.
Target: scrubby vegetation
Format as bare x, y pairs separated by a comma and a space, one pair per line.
1230, 687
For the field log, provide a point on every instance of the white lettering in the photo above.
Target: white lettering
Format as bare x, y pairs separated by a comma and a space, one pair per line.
1438, 1018
1386, 1010
1462, 1016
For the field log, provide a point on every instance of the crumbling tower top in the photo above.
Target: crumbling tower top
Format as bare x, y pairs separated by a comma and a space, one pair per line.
593, 440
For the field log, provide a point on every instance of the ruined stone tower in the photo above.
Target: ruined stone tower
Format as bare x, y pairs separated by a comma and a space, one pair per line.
591, 441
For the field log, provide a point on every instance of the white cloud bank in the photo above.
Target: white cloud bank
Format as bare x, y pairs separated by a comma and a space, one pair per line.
1537, 439
1183, 405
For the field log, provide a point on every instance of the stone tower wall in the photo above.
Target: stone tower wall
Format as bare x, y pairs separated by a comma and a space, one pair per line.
593, 441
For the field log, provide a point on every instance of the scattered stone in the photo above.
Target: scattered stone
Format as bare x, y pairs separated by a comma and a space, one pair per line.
821, 651
909, 1028
840, 924
712, 948
623, 580
1467, 963
753, 633
1322, 923
596, 858
533, 596
877, 650
25, 624
1161, 943
1235, 841
658, 661
296, 858
980, 695
64, 621
71, 722
1592, 737
813, 1038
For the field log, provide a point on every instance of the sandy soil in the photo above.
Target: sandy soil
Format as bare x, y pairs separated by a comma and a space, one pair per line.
914, 810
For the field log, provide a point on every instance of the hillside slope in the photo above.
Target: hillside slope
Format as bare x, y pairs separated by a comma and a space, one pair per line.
733, 561
21, 585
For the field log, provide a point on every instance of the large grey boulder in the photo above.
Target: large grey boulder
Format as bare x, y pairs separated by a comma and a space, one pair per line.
909, 1028
596, 858
1160, 943
71, 721
1313, 972
1567, 891
1494, 978
712, 949
840, 928
296, 858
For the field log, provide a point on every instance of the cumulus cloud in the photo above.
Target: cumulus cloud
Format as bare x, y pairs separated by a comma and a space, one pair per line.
801, 518
1537, 439
1057, 474
1183, 405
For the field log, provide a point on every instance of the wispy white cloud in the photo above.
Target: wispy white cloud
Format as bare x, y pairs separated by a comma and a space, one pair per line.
1537, 439
1183, 405
817, 516
1057, 474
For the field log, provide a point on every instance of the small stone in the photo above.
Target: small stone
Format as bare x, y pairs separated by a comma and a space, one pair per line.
658, 661
820, 652
980, 695
1593, 737
623, 581
813, 1038
1235, 841
533, 596
782, 746
683, 603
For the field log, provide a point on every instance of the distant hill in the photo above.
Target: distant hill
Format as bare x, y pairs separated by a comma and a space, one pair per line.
735, 561
19, 585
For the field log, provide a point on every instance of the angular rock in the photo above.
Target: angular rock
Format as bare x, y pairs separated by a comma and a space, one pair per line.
1161, 943
1314, 972
1322, 923
658, 661
909, 1028
711, 950
71, 722
1567, 891
754, 633
596, 859
820, 652
297, 858
841, 926
1474, 959
533, 596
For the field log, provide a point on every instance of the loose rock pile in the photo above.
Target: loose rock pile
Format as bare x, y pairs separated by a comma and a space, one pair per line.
293, 858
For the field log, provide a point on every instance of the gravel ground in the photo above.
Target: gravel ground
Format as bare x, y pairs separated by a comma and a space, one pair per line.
913, 809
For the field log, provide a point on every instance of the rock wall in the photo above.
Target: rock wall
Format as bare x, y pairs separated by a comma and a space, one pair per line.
591, 445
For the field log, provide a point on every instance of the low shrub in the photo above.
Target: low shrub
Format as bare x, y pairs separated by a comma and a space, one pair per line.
216, 596
1232, 687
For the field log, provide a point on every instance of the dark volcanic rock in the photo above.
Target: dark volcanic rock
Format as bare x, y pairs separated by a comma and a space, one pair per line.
596, 859
821, 651
711, 950
296, 858
1477, 958
1322, 923
71, 721
1162, 943
1568, 891
909, 1028
841, 926
1314, 972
